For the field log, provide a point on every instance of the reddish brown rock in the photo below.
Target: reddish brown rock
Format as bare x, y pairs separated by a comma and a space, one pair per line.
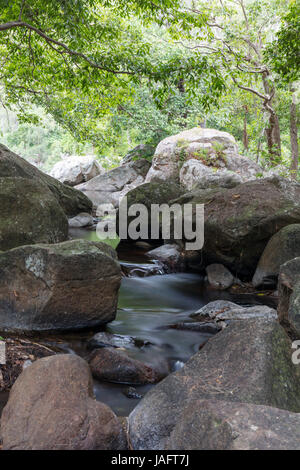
51, 407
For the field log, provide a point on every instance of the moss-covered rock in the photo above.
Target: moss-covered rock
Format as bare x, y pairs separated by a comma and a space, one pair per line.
240, 221
249, 361
64, 286
72, 201
289, 296
29, 213
154, 193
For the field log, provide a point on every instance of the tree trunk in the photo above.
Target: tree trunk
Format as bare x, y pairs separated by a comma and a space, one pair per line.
294, 135
245, 133
273, 138
273, 130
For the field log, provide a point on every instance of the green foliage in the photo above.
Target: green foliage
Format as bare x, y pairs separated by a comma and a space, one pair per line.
284, 52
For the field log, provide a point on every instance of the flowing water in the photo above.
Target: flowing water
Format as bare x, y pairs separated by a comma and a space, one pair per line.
147, 307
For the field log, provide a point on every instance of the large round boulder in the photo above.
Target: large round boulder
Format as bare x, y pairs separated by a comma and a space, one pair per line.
282, 247
76, 169
213, 149
51, 407
63, 286
30, 213
71, 201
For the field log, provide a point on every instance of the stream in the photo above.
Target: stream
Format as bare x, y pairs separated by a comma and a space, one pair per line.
147, 306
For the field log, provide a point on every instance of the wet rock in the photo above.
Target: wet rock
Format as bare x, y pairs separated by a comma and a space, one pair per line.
201, 327
247, 362
81, 220
51, 407
222, 425
114, 365
64, 286
30, 213
103, 340
222, 310
71, 200
289, 296
115, 184
131, 392
282, 247
142, 270
76, 169
219, 277
170, 256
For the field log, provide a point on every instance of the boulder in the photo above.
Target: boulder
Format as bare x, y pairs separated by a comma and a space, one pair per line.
282, 247
219, 277
104, 340
63, 286
75, 170
51, 407
247, 362
81, 220
112, 186
223, 425
194, 173
240, 221
289, 296
114, 365
155, 192
169, 255
140, 151
30, 213
211, 147
71, 201
224, 310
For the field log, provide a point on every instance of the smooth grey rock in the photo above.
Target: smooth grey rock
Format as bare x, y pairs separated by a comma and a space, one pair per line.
112, 186
282, 247
221, 310
219, 277
76, 169
81, 220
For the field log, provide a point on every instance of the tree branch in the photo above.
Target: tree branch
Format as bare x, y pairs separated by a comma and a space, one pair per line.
39, 32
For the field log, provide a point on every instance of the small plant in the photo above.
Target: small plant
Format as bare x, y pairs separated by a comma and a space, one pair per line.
182, 154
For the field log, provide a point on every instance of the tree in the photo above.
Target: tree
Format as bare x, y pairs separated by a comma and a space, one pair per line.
284, 55
53, 53
237, 33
